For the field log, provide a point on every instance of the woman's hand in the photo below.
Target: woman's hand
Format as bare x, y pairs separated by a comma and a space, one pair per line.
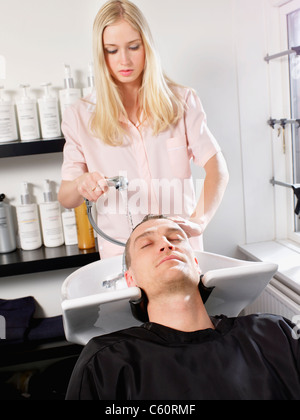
215, 184
91, 186
191, 227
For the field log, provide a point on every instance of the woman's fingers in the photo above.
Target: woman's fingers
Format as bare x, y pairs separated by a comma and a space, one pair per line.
92, 186
191, 228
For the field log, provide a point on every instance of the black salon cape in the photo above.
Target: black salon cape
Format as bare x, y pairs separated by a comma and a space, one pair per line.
247, 358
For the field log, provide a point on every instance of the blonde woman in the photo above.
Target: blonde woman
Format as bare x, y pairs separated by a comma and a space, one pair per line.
141, 125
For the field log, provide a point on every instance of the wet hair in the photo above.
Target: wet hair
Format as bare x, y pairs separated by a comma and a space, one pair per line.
127, 247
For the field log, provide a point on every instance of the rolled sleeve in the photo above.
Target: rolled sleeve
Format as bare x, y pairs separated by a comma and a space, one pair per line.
74, 164
202, 144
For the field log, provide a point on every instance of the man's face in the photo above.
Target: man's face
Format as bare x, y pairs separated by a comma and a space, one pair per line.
161, 258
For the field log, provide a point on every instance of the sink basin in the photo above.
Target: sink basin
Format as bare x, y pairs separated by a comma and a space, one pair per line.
95, 298
93, 303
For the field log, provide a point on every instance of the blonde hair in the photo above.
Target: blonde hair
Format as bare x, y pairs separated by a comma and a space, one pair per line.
158, 99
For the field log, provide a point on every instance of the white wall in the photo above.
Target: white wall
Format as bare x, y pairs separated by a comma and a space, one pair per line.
214, 46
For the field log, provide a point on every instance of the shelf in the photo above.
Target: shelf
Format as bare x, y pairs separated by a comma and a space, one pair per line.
45, 259
34, 147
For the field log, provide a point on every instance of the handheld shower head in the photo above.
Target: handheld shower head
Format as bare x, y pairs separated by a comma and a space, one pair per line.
119, 182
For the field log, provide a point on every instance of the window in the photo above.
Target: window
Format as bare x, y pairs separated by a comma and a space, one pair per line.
285, 104
293, 24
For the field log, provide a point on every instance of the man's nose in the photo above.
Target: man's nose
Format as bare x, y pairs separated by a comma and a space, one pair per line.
166, 245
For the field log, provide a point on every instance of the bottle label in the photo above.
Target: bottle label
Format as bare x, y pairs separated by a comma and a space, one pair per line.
28, 121
3, 222
7, 234
8, 125
68, 97
70, 228
51, 224
50, 122
29, 227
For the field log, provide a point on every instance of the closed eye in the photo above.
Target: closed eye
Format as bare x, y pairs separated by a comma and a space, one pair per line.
176, 239
146, 245
134, 48
111, 51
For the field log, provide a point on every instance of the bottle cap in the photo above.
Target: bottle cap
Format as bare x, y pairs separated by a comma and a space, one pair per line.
47, 191
25, 97
25, 197
46, 87
91, 82
69, 82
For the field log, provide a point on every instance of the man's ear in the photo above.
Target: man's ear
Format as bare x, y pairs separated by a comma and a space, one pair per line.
129, 279
197, 264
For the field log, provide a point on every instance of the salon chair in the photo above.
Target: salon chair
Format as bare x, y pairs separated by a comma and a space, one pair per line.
96, 298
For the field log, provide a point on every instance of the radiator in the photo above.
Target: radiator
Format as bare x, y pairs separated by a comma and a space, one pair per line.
276, 299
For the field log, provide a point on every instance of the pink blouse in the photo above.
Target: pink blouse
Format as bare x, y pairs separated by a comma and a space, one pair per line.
157, 167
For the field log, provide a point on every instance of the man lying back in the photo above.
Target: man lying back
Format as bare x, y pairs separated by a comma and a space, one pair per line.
182, 353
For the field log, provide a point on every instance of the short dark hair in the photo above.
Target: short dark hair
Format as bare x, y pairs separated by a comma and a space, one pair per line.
146, 219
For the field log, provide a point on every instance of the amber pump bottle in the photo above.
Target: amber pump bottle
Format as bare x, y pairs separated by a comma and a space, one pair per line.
85, 232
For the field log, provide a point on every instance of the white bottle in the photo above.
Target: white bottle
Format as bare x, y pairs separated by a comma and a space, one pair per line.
69, 226
28, 116
49, 114
28, 221
7, 229
69, 94
8, 121
91, 81
51, 219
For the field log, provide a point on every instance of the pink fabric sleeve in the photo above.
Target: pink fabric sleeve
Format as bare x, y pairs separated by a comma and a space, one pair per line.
202, 144
74, 164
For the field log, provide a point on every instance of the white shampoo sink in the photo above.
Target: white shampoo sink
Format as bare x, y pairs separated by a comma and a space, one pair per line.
93, 303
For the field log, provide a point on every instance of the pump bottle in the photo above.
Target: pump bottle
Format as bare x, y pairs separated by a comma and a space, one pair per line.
91, 81
69, 94
8, 122
28, 221
51, 219
7, 230
28, 116
49, 114
69, 227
